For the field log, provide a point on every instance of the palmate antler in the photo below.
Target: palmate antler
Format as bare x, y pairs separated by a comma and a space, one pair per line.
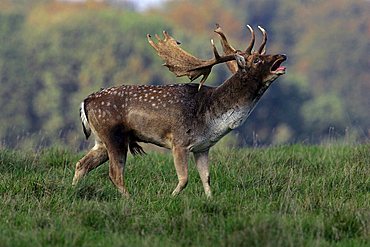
181, 63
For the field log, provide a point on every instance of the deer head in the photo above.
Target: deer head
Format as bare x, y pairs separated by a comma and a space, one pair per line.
182, 117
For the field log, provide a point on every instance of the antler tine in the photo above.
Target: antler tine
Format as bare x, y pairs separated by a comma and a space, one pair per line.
262, 50
157, 37
215, 52
217, 58
251, 42
227, 48
166, 36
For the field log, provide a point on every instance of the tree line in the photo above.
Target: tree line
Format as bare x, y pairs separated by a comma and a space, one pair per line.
53, 54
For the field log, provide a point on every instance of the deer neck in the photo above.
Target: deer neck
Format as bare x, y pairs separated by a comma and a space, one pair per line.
233, 101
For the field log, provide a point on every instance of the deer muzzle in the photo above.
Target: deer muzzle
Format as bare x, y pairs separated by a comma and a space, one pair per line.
276, 67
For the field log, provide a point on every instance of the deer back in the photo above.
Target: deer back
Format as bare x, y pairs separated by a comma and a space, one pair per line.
148, 113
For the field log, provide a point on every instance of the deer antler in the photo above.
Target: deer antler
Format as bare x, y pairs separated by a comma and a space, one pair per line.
228, 49
251, 42
181, 63
262, 49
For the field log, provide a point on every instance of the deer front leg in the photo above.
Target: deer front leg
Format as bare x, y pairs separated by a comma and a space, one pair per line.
201, 161
180, 157
94, 158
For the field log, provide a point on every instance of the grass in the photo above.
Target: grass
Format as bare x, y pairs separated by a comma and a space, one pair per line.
281, 196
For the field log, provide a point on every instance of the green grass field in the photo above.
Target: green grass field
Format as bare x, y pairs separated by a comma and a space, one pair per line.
281, 196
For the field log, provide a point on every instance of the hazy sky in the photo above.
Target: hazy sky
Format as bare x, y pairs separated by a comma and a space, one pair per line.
142, 4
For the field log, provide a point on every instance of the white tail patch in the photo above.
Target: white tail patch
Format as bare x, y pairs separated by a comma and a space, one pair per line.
85, 123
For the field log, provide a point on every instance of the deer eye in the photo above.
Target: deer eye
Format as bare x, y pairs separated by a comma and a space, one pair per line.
256, 60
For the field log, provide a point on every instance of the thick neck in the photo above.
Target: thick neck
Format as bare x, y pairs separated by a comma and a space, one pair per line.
237, 92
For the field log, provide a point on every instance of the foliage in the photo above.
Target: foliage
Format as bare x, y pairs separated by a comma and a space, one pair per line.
53, 54
283, 196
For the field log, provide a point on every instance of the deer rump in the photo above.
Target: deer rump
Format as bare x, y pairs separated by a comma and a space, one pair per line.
133, 146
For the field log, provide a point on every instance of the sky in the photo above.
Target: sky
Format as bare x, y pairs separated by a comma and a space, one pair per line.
141, 4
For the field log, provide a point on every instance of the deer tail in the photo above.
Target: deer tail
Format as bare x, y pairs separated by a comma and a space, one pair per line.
135, 148
85, 122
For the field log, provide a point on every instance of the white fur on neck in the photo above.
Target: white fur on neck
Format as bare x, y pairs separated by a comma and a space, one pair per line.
219, 126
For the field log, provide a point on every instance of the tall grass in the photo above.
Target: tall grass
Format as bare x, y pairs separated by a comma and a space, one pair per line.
282, 196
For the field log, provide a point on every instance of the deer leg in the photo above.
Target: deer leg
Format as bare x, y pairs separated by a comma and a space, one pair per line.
117, 153
201, 161
94, 158
180, 156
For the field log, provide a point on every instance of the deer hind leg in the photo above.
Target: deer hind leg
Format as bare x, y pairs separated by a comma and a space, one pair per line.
94, 158
117, 153
180, 156
201, 161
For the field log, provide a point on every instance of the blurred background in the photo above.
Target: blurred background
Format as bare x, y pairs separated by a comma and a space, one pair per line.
53, 53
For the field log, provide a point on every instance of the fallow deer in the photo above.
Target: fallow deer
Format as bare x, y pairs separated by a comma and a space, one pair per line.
185, 118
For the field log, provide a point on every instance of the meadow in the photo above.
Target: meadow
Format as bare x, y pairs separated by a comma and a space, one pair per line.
278, 196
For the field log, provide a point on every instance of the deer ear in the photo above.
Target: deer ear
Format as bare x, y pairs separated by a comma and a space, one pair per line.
240, 60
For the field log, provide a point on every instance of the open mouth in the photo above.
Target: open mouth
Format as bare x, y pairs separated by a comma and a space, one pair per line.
276, 68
